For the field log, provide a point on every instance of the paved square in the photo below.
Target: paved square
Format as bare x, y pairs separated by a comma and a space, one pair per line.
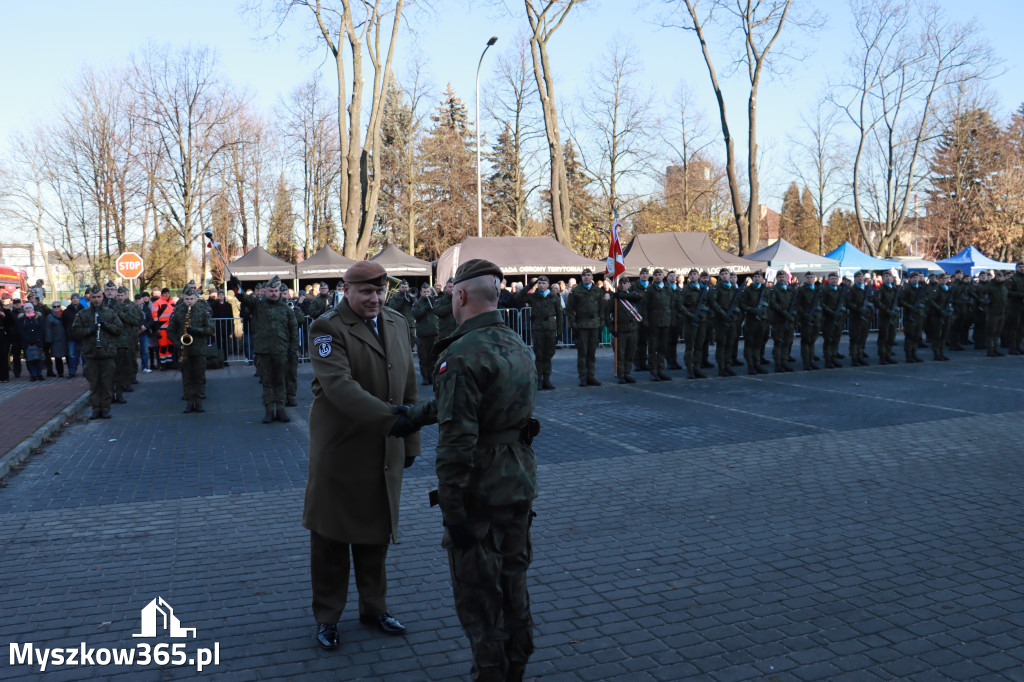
852, 524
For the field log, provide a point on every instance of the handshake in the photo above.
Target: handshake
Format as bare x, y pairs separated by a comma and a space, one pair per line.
403, 426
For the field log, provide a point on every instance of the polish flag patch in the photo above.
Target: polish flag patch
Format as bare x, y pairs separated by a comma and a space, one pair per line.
443, 367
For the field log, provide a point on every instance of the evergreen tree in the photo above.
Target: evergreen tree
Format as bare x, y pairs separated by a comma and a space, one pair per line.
810, 229
842, 227
590, 229
397, 182
448, 179
791, 214
281, 234
505, 194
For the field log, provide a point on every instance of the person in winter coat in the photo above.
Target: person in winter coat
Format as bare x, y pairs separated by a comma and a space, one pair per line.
57, 338
32, 335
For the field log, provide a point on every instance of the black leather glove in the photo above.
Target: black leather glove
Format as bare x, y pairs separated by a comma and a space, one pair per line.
408, 462
234, 284
403, 426
460, 535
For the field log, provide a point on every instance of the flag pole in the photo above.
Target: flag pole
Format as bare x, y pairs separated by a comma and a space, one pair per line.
615, 303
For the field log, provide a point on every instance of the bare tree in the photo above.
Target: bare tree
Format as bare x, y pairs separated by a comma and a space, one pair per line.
908, 60
687, 178
760, 23
545, 17
617, 120
189, 112
817, 157
364, 29
247, 157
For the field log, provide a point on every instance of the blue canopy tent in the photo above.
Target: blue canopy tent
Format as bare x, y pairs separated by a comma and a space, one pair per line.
972, 261
851, 260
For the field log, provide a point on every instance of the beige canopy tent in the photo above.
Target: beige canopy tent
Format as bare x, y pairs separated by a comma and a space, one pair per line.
260, 264
681, 251
517, 257
325, 263
400, 264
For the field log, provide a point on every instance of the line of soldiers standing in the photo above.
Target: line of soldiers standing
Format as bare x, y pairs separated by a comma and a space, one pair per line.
652, 316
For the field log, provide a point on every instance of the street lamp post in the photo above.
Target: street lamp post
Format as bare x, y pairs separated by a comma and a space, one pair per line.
479, 193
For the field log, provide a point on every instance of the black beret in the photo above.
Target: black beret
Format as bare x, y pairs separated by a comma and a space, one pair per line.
476, 268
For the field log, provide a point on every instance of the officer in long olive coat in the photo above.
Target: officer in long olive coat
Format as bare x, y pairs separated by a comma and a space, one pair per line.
355, 467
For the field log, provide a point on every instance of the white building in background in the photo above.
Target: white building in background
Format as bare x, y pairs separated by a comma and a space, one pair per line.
28, 256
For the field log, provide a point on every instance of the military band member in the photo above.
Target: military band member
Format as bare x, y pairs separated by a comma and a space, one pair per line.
275, 333
193, 320
912, 299
833, 309
808, 308
659, 311
693, 306
754, 304
426, 331
126, 343
888, 318
443, 310
782, 302
402, 302
546, 323
625, 328
98, 328
583, 309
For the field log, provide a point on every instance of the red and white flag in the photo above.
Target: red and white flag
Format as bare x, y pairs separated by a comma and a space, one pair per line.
614, 265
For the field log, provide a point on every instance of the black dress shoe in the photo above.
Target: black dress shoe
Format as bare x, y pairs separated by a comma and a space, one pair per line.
700, 375
282, 416
385, 622
327, 636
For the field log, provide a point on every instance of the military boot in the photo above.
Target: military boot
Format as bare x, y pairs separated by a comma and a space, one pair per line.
291, 402
119, 398
105, 414
198, 405
96, 413
282, 416
546, 383
190, 407
269, 416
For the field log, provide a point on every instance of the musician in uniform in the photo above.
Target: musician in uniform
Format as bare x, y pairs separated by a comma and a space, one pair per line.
426, 331
98, 328
402, 301
443, 310
190, 319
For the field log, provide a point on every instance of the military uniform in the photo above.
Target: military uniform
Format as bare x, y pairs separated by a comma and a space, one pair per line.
912, 299
940, 309
994, 300
626, 334
275, 334
833, 309
445, 320
99, 348
127, 342
319, 305
403, 303
860, 306
291, 387
722, 301
782, 303
547, 320
485, 388
888, 316
426, 335
659, 311
583, 307
754, 304
693, 306
640, 361
1015, 313
197, 322
675, 332
808, 307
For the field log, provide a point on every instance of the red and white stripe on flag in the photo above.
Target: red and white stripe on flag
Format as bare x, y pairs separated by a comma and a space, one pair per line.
614, 265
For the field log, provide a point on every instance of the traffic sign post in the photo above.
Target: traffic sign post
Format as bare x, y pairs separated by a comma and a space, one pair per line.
130, 265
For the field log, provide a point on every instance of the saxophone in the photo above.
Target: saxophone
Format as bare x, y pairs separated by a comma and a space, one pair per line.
186, 338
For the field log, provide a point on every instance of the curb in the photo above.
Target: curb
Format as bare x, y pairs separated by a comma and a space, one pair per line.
20, 452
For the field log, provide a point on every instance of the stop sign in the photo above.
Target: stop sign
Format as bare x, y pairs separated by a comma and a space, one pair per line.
129, 265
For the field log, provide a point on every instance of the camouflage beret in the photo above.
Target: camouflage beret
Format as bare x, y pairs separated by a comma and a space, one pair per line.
476, 267
367, 272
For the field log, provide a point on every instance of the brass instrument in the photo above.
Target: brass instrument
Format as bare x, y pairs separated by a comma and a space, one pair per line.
186, 338
98, 343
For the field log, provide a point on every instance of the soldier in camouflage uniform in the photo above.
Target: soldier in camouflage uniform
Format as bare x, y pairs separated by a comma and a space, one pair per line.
833, 308
583, 307
861, 308
116, 298
640, 360
724, 302
402, 301
1015, 311
808, 307
659, 311
958, 333
994, 301
191, 318
319, 301
754, 304
485, 386
625, 329
940, 316
275, 334
426, 331
98, 328
674, 283
782, 302
693, 306
443, 310
912, 299
546, 322
291, 384
888, 314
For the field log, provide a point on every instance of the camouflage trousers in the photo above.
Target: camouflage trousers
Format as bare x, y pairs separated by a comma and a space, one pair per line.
544, 343
425, 349
291, 382
123, 370
193, 373
99, 372
273, 370
491, 599
586, 348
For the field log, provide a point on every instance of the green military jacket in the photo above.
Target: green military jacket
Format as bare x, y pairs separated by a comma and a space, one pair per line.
200, 321
721, 298
808, 302
994, 297
426, 320
833, 304
103, 344
445, 320
941, 303
641, 287
694, 303
913, 300
130, 322
659, 305
546, 314
1015, 291
860, 302
485, 386
403, 304
885, 301
583, 306
627, 323
780, 303
319, 305
274, 331
754, 303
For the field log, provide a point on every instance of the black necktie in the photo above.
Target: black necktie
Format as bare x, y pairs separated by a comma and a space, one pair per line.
372, 324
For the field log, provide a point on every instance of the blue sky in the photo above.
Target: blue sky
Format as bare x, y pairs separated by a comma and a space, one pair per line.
44, 44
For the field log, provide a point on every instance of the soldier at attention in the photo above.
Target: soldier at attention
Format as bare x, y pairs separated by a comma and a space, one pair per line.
98, 328
485, 386
546, 323
192, 323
